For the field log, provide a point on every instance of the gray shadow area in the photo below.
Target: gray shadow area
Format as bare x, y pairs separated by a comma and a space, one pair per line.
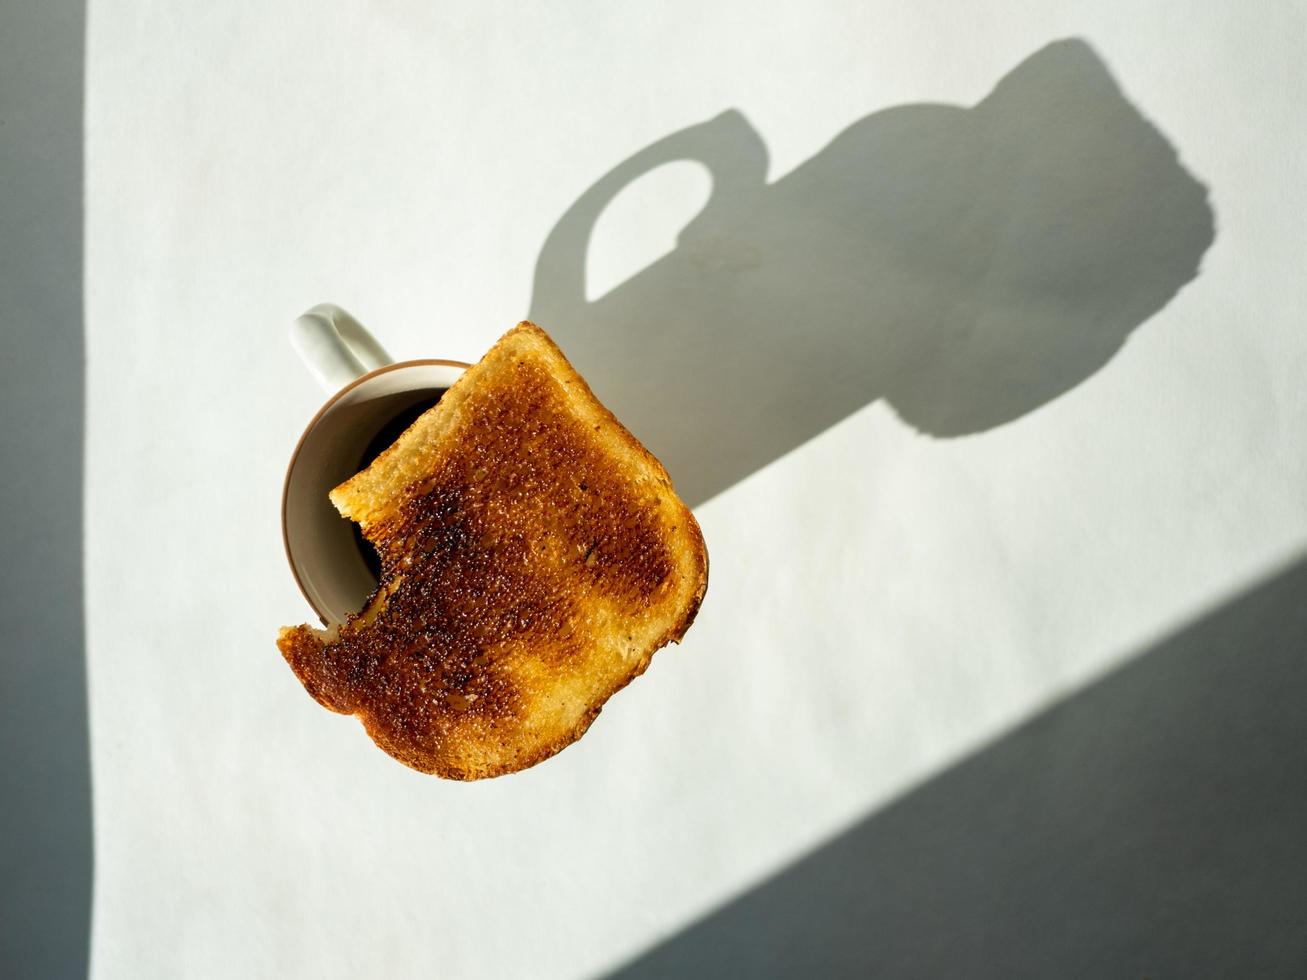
45, 774
1154, 825
968, 265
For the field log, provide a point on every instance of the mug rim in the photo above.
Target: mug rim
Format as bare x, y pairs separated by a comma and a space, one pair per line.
313, 424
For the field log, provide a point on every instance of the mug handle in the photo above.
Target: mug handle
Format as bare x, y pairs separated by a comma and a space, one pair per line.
335, 347
727, 145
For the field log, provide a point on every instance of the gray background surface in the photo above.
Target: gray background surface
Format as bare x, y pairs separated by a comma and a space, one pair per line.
45, 776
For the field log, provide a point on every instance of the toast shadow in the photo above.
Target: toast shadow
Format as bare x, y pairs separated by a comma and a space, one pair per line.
966, 265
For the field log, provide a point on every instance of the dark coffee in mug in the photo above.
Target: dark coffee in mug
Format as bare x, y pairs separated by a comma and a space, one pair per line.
379, 443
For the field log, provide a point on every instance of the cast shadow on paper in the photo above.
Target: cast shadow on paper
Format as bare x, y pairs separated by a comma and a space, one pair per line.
1149, 826
967, 265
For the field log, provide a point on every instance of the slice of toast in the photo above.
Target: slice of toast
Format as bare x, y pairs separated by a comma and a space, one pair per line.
534, 556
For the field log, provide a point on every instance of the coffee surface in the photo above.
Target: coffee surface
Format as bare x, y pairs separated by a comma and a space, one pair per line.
384, 438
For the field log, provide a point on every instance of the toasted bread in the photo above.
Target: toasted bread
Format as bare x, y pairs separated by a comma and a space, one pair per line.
534, 557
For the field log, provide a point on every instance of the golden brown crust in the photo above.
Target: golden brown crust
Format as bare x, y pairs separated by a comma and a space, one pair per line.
534, 557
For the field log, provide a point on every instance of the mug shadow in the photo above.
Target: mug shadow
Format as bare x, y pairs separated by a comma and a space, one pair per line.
966, 265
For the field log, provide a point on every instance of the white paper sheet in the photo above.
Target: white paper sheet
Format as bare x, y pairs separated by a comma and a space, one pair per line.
881, 601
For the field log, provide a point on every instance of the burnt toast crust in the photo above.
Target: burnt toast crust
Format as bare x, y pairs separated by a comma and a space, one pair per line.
534, 557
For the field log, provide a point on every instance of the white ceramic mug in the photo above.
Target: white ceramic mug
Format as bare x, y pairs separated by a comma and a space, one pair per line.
369, 392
